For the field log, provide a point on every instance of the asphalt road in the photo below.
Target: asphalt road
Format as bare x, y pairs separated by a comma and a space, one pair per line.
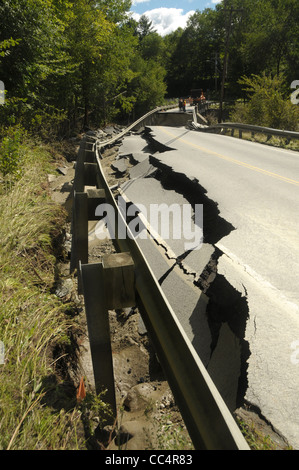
255, 188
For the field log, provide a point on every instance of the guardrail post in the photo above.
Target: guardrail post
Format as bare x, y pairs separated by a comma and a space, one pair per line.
90, 170
106, 285
99, 331
119, 280
80, 231
84, 205
79, 169
95, 197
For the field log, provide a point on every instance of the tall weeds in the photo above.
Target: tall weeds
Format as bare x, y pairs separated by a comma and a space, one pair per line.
32, 319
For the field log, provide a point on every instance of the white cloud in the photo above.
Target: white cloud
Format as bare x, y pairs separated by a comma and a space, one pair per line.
166, 20
135, 2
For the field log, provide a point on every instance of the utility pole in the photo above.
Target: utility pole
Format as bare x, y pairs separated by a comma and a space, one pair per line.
226, 47
216, 70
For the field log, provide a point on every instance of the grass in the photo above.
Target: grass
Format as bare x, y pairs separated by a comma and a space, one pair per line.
256, 439
274, 141
172, 436
38, 407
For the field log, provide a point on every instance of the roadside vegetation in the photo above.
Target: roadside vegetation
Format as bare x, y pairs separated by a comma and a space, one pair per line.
269, 103
38, 406
73, 64
258, 440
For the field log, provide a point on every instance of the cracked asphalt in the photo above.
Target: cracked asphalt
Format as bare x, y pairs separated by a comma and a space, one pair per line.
179, 273
240, 309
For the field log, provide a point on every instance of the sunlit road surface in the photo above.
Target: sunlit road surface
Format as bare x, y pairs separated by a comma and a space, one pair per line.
256, 188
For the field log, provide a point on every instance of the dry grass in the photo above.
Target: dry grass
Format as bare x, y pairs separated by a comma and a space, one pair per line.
33, 321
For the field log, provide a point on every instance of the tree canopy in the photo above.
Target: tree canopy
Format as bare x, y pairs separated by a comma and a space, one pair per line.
262, 37
68, 63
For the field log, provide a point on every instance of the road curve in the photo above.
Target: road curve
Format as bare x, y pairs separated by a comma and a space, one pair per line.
255, 188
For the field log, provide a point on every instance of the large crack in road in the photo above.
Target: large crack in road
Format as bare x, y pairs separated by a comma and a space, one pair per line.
226, 353
215, 297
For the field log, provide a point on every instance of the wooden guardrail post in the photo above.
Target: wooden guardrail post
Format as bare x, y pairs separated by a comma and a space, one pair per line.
84, 204
95, 197
119, 280
90, 170
79, 169
80, 230
106, 285
84, 207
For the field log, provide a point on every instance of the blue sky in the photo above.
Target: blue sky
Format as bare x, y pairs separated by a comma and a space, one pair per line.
168, 15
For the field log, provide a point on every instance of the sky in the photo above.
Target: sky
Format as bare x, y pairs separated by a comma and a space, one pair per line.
168, 15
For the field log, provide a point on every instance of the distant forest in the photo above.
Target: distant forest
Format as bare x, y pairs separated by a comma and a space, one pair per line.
71, 64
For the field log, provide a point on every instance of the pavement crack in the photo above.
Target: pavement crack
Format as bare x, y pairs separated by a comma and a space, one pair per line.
226, 311
178, 262
227, 306
215, 227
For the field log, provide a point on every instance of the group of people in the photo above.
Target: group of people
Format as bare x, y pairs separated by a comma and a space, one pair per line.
182, 104
199, 99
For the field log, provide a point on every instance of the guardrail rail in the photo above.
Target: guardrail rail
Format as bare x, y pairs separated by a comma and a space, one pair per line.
208, 420
289, 135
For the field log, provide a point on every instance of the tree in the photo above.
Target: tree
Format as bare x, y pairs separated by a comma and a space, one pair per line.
55, 68
113, 91
114, 10
144, 27
192, 64
270, 26
87, 36
269, 103
263, 36
36, 59
148, 86
67, 62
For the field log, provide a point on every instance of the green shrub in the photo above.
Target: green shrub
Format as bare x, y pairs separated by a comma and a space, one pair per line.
269, 103
11, 152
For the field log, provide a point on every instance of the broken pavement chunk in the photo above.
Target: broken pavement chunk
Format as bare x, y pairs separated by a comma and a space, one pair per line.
119, 166
143, 169
62, 170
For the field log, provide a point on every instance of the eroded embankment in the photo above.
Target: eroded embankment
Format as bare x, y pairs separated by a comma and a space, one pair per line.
227, 308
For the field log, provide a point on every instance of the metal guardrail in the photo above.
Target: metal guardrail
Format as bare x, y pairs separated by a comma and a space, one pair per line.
208, 420
253, 129
133, 125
